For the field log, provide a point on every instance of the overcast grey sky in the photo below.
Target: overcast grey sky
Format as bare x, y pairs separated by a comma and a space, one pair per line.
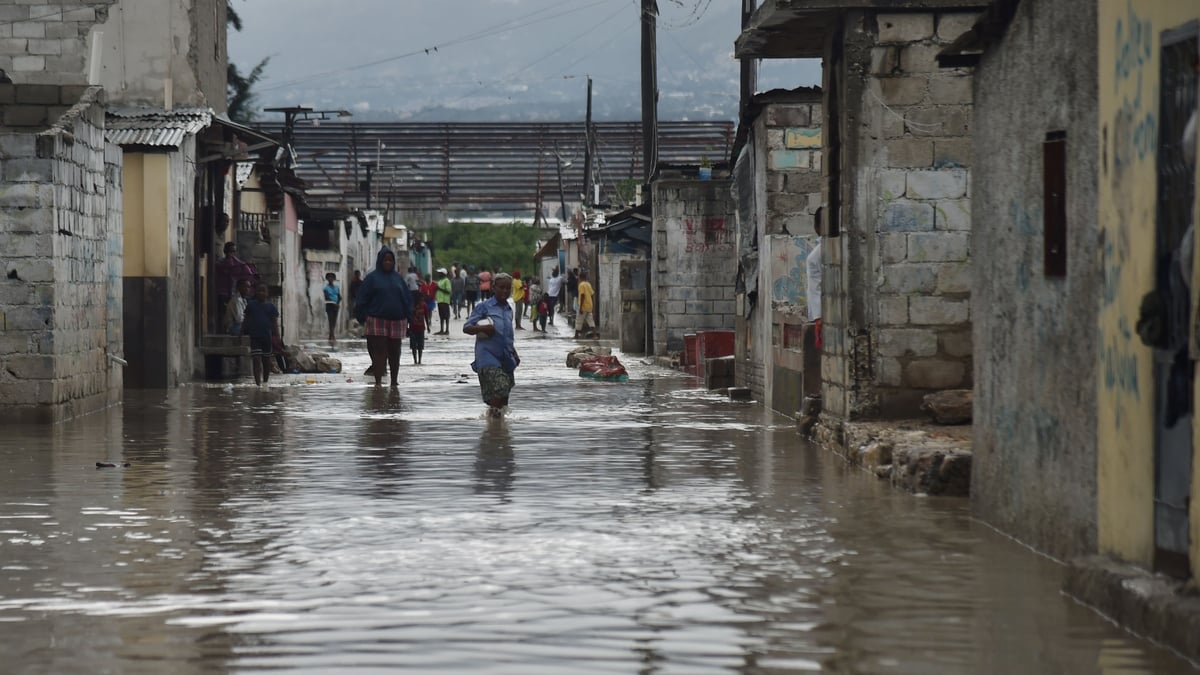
515, 57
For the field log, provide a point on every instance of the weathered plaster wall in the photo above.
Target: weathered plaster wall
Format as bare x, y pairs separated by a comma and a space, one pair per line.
1034, 462
897, 319
183, 359
293, 296
152, 47
608, 293
1129, 66
693, 262
60, 293
160, 271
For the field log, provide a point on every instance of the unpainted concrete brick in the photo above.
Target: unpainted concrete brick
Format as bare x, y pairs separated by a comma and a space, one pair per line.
956, 343
953, 214
951, 89
891, 183
893, 247
907, 153
907, 27
907, 216
902, 90
893, 310
934, 374
919, 58
938, 247
954, 279
908, 278
954, 153
891, 372
904, 342
29, 63
935, 311
885, 61
944, 184
951, 26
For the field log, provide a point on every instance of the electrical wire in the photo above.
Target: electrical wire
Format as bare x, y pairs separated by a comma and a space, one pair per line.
43, 17
492, 31
511, 77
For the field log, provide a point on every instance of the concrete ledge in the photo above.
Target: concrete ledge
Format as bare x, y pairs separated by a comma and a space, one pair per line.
1157, 608
913, 455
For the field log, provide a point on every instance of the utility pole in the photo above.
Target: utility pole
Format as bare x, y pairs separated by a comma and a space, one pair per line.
749, 71
587, 149
649, 89
562, 197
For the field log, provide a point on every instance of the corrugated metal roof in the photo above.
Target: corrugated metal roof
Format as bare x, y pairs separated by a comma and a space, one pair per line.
159, 128
486, 167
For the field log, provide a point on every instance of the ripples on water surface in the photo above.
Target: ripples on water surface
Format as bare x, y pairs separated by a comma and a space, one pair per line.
644, 527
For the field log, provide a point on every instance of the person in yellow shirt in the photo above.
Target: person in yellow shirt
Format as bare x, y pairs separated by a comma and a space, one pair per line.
518, 296
584, 320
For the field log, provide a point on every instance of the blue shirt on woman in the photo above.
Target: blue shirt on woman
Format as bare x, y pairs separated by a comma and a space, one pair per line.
495, 351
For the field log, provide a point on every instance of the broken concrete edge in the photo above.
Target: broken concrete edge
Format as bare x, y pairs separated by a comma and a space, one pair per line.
912, 455
1163, 610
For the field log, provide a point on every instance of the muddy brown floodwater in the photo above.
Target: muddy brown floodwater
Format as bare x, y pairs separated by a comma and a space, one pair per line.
640, 527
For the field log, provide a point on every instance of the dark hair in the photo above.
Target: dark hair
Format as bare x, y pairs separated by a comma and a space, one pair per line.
229, 245
330, 276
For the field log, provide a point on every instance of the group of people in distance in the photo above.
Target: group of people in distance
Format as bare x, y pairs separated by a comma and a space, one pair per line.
390, 305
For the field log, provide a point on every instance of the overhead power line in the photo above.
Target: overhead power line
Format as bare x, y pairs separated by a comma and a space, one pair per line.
498, 29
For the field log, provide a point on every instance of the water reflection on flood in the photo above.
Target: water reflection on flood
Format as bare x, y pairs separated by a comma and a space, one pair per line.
643, 527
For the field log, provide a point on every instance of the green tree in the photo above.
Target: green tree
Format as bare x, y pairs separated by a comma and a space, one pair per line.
240, 105
497, 247
240, 96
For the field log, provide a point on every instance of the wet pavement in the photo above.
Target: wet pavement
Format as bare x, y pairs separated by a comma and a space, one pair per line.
639, 527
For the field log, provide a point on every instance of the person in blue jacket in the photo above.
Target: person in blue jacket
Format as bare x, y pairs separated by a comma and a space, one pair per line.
383, 305
496, 358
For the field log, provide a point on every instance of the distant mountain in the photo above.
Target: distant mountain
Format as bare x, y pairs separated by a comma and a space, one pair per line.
535, 75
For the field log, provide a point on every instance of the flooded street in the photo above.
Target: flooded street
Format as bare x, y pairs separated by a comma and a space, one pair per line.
640, 527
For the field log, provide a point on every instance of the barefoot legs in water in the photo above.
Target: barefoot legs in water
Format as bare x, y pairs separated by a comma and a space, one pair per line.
393, 359
377, 347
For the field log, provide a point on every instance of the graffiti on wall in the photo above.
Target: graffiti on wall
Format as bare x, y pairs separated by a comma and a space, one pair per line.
708, 235
789, 281
1135, 129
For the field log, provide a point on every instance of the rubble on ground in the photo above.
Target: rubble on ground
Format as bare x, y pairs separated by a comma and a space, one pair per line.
305, 361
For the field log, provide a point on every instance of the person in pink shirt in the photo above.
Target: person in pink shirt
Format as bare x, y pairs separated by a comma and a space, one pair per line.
230, 270
485, 284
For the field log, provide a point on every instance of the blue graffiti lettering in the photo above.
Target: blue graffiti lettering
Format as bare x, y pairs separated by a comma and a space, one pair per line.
1134, 42
1121, 368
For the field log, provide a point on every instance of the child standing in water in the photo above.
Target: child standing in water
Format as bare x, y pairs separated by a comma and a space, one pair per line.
261, 323
417, 327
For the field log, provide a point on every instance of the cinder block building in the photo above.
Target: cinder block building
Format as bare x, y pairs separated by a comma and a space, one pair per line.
896, 172
778, 188
692, 265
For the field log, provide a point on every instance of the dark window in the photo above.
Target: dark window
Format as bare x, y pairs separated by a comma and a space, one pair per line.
1054, 204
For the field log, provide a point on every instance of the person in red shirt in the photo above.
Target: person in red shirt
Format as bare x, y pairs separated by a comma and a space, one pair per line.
429, 294
417, 327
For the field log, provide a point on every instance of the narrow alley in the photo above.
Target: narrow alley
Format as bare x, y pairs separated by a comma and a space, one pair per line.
646, 526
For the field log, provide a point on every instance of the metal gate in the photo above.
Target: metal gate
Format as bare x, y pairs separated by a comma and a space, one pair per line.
1173, 368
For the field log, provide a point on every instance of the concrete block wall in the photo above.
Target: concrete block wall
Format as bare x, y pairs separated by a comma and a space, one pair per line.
904, 327
693, 263
787, 153
44, 43
61, 291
